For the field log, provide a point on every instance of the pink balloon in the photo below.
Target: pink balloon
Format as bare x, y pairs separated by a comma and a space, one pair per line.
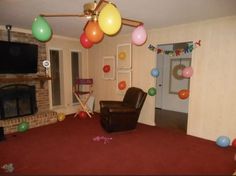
85, 42
187, 72
139, 35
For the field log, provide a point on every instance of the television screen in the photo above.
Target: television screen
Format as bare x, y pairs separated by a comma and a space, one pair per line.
18, 58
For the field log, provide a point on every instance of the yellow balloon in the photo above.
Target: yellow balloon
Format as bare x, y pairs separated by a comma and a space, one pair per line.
60, 116
109, 19
122, 55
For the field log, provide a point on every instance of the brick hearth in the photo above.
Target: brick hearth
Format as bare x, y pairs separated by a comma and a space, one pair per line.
36, 120
44, 116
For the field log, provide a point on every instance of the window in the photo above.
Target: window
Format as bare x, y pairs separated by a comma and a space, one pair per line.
55, 56
75, 69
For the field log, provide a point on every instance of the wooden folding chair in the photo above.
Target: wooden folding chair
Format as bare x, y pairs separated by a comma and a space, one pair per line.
83, 91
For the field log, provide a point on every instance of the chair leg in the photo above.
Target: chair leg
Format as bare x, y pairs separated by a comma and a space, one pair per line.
83, 106
90, 104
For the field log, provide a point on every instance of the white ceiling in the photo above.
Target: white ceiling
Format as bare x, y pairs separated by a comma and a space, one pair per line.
153, 13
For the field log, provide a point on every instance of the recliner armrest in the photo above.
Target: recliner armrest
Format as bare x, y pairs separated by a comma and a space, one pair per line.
108, 104
122, 110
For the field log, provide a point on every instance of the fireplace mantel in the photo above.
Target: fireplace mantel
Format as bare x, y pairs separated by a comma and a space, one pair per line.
42, 79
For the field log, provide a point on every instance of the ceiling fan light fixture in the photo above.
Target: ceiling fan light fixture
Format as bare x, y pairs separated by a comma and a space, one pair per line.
94, 18
89, 8
89, 17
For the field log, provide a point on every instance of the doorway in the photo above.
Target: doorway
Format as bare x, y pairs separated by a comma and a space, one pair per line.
170, 110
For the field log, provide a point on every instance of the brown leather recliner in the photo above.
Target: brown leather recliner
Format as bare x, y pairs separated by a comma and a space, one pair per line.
122, 115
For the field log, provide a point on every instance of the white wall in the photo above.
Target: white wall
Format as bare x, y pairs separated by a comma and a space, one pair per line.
212, 99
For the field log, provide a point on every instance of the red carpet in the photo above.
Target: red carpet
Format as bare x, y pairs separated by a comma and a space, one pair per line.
67, 147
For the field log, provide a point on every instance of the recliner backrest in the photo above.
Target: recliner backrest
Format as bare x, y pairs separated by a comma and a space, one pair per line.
134, 97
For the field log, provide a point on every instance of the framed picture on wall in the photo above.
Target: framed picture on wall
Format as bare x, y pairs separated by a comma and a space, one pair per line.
123, 81
108, 67
124, 57
176, 81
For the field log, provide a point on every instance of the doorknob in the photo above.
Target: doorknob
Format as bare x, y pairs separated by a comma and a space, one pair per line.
160, 85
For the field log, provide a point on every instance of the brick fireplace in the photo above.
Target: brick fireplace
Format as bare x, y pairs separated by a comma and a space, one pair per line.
17, 100
43, 115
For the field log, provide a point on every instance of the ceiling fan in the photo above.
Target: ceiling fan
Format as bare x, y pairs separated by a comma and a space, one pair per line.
92, 10
103, 18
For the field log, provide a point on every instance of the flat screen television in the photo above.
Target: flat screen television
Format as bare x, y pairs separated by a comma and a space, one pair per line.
18, 58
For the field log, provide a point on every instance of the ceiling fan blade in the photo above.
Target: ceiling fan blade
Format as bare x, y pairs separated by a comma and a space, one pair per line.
100, 5
62, 15
132, 23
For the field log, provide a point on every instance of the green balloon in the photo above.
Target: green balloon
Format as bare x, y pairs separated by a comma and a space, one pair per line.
152, 91
41, 30
23, 126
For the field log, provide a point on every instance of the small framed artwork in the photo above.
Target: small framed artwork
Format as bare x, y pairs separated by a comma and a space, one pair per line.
108, 67
124, 56
176, 81
123, 81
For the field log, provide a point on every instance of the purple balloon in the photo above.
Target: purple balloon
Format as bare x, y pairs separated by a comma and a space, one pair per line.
139, 35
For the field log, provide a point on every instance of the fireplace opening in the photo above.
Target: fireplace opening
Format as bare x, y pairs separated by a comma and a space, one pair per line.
17, 100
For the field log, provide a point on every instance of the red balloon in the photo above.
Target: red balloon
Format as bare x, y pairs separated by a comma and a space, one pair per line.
234, 143
183, 94
106, 68
85, 42
122, 85
82, 114
93, 32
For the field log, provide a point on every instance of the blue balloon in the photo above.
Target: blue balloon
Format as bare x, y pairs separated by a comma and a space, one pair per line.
155, 72
223, 141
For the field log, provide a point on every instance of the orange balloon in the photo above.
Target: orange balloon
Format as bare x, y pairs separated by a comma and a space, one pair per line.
93, 32
183, 94
122, 85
